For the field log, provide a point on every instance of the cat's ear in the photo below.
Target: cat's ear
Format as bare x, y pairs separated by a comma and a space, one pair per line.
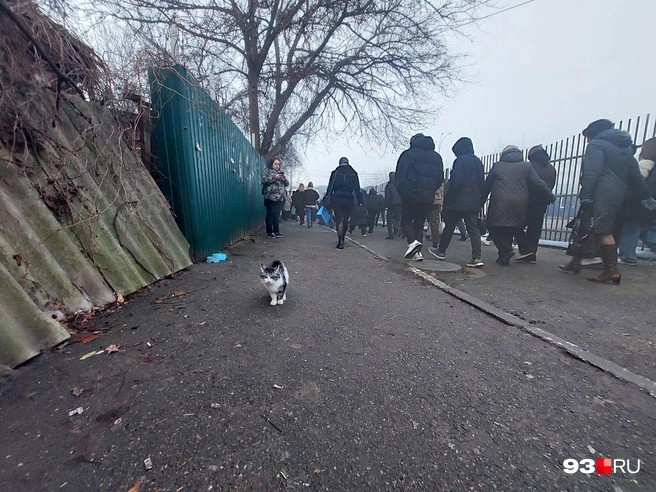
262, 268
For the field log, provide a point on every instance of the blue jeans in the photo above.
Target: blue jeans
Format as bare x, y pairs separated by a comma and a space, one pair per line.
632, 232
309, 215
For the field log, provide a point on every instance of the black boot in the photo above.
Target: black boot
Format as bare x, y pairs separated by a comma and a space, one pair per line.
340, 243
611, 272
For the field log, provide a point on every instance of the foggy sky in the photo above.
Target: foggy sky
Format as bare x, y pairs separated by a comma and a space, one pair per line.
542, 72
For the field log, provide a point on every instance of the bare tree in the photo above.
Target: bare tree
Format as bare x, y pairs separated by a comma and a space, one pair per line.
291, 69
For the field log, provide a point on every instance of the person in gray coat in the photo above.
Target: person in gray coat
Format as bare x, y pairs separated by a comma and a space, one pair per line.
509, 184
610, 175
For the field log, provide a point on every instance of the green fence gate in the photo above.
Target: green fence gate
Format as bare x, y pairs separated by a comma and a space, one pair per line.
210, 171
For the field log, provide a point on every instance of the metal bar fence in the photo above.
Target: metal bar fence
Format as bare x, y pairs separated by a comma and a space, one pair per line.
567, 157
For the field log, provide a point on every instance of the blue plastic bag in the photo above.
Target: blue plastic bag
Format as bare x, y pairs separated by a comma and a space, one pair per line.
216, 257
325, 216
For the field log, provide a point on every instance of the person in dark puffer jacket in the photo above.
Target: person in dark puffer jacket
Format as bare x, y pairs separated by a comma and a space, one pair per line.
510, 183
419, 173
610, 175
537, 206
343, 186
462, 200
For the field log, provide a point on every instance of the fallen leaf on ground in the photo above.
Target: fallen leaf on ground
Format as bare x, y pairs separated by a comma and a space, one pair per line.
86, 356
113, 348
317, 471
297, 346
119, 298
135, 487
89, 338
178, 293
77, 391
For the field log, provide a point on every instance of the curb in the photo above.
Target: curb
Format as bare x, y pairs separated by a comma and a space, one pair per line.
572, 349
615, 370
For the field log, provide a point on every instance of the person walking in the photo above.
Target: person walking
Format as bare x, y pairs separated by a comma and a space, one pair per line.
343, 186
537, 206
393, 205
287, 206
273, 189
310, 199
375, 204
298, 203
419, 173
435, 216
610, 175
509, 184
462, 200
640, 223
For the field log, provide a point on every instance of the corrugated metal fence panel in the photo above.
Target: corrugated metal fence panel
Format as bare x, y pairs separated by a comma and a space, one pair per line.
211, 171
81, 220
567, 158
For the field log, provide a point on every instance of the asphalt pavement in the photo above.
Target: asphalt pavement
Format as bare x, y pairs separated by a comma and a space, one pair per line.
367, 378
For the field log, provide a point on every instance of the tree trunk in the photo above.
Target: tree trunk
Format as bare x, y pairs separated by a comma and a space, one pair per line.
254, 110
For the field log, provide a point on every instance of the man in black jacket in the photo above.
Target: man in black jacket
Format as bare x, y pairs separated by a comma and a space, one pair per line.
462, 200
419, 173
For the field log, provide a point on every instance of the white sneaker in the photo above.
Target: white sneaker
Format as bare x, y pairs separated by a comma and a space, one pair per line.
485, 242
418, 257
414, 247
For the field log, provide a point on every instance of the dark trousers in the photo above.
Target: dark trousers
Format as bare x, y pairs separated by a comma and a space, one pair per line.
413, 216
503, 240
393, 219
451, 219
372, 216
342, 208
528, 241
272, 219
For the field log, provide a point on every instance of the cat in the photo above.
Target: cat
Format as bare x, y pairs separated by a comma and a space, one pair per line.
275, 278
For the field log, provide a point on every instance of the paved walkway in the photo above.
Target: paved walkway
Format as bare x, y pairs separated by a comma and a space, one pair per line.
367, 378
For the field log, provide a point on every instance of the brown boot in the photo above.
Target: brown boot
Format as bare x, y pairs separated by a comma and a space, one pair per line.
574, 266
610, 273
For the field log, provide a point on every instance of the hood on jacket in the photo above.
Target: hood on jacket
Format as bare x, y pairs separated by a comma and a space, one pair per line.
596, 127
463, 146
618, 138
512, 154
421, 141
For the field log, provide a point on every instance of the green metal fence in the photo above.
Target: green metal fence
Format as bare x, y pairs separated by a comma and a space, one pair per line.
210, 171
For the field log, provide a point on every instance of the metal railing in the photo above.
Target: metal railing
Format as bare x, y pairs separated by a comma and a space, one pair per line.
567, 157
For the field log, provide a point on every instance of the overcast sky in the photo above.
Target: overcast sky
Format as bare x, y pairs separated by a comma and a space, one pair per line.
543, 71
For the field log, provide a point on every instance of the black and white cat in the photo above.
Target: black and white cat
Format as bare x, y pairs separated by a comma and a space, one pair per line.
275, 278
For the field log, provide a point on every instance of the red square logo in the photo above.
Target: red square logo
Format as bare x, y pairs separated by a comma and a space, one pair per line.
604, 466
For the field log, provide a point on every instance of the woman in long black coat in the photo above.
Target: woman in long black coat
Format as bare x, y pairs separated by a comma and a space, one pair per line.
610, 175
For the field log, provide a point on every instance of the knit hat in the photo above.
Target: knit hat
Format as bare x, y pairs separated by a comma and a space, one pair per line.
539, 155
343, 161
596, 127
